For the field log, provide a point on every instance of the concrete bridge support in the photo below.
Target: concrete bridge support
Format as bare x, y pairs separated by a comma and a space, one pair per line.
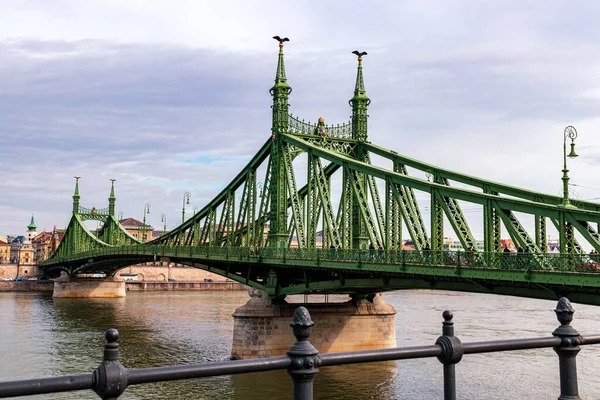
90, 287
262, 329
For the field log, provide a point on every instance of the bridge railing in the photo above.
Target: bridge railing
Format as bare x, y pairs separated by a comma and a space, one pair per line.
303, 360
455, 259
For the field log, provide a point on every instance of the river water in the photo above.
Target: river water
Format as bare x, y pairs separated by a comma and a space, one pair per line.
42, 336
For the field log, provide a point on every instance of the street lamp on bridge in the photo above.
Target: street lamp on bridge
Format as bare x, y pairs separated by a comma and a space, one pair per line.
146, 211
186, 200
163, 219
570, 133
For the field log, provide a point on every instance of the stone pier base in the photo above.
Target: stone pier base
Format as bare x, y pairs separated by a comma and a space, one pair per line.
82, 287
262, 329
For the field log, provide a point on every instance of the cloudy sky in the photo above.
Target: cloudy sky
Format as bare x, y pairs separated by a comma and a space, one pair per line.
172, 96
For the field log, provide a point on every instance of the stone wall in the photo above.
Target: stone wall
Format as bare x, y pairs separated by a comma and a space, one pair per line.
262, 329
26, 286
14, 271
183, 286
84, 288
163, 273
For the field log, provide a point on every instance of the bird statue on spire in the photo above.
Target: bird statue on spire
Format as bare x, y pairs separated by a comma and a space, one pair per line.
280, 40
360, 54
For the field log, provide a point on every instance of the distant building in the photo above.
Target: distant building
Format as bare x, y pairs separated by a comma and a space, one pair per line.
137, 229
455, 245
21, 249
45, 243
4, 250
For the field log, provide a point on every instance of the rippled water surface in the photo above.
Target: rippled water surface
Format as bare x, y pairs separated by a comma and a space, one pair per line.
42, 336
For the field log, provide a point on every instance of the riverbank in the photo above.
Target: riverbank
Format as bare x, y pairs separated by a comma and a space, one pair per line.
134, 286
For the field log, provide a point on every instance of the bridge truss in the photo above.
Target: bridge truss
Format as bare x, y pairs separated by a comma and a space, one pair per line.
313, 185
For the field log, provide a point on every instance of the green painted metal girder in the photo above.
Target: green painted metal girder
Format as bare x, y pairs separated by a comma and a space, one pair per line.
568, 243
384, 285
409, 209
113, 233
587, 231
369, 267
376, 203
437, 223
325, 198
363, 205
457, 219
479, 182
518, 205
297, 214
77, 239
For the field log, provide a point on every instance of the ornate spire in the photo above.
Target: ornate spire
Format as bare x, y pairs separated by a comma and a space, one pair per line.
112, 198
76, 196
32, 226
280, 91
280, 79
359, 103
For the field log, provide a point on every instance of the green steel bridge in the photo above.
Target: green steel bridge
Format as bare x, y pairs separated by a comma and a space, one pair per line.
325, 219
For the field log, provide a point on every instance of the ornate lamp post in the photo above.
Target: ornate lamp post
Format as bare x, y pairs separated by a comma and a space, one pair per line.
163, 219
186, 200
120, 215
570, 133
146, 211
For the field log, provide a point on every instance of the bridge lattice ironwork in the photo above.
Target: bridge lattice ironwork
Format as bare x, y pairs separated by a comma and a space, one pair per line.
315, 186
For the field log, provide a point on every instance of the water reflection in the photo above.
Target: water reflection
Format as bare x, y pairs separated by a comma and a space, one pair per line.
44, 337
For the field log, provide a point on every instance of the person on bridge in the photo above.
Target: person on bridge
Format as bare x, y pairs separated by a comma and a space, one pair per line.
505, 257
427, 253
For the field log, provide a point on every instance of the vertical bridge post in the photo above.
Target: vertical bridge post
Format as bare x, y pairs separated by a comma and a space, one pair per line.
110, 378
567, 351
452, 352
305, 360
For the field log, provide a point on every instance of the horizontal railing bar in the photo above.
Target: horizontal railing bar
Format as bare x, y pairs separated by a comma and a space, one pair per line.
510, 344
591, 339
57, 384
177, 372
365, 356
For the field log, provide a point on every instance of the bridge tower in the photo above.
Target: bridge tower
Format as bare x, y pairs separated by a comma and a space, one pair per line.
76, 196
360, 103
278, 235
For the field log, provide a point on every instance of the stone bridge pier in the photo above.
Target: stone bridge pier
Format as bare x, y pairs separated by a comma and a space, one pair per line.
262, 328
88, 287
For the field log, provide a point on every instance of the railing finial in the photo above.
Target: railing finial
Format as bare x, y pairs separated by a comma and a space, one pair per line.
110, 378
305, 360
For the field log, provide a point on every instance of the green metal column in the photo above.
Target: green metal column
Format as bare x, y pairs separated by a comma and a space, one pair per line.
278, 234
393, 219
488, 227
437, 223
359, 103
540, 233
562, 242
251, 215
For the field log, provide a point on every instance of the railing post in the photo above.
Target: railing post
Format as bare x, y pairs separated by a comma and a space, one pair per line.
110, 378
305, 360
567, 351
452, 352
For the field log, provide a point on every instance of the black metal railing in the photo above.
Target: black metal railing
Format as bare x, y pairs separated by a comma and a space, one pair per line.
303, 360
